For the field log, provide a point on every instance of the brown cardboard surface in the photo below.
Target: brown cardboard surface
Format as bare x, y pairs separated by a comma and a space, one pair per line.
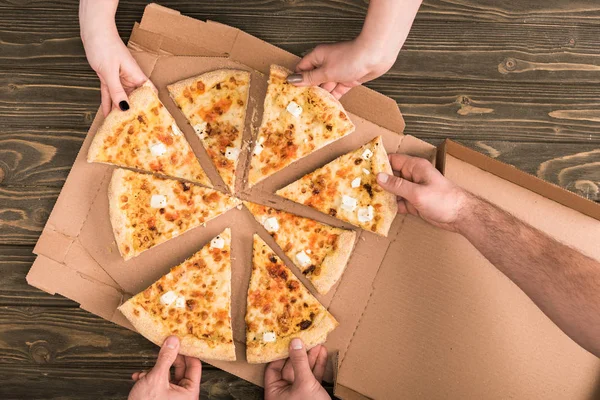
408, 316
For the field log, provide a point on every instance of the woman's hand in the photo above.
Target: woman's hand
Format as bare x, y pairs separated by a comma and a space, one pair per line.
118, 71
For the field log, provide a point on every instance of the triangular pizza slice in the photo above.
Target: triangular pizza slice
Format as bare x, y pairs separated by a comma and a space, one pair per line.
280, 308
193, 302
319, 250
146, 210
296, 121
146, 138
215, 105
347, 188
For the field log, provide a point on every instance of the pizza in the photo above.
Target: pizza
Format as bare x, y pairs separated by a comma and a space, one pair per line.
296, 121
193, 302
146, 138
215, 105
320, 251
146, 210
347, 188
280, 308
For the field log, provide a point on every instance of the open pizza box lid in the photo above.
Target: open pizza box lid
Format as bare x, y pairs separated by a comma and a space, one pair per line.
421, 312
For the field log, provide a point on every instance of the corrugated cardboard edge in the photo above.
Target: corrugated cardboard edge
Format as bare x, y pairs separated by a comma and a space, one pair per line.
518, 177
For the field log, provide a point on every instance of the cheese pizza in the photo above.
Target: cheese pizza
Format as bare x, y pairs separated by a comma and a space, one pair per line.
320, 251
280, 308
347, 188
146, 138
296, 121
146, 210
215, 105
193, 302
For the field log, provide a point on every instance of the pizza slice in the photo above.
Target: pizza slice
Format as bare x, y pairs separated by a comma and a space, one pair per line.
146, 211
193, 302
347, 188
215, 105
320, 251
296, 121
279, 309
146, 138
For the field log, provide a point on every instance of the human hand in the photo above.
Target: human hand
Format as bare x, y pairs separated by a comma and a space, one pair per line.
298, 377
108, 56
157, 383
423, 191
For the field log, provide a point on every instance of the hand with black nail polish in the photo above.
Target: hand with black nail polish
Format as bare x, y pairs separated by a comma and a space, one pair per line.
118, 71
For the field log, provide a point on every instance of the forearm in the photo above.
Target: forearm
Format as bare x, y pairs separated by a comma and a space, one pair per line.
388, 23
561, 281
97, 17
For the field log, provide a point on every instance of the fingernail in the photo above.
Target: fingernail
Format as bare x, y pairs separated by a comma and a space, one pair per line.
123, 105
383, 177
171, 342
294, 78
296, 344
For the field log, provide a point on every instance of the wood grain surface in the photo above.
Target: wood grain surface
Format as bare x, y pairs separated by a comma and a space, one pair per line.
516, 80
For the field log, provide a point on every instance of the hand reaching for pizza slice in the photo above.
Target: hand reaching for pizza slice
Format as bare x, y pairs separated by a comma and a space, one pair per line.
157, 383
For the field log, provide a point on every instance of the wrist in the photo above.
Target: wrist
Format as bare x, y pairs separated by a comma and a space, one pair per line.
467, 205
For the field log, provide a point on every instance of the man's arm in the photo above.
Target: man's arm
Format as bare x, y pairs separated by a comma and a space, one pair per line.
561, 281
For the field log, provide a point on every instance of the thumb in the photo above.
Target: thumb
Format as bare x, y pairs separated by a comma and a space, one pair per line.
399, 186
313, 77
299, 359
166, 357
117, 93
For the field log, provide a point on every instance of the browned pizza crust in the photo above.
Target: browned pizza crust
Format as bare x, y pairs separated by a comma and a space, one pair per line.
335, 263
381, 163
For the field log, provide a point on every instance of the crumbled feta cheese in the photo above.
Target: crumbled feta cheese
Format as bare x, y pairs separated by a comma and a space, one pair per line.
180, 302
261, 140
168, 298
158, 149
232, 153
366, 171
269, 337
174, 233
294, 109
175, 129
308, 251
366, 214
349, 203
303, 259
217, 242
239, 206
258, 149
271, 224
367, 154
199, 129
158, 201
356, 182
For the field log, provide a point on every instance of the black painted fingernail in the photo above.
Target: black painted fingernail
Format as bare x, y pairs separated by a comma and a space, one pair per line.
123, 105
294, 78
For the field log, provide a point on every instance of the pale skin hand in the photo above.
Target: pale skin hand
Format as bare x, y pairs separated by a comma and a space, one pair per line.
339, 67
298, 377
157, 383
561, 281
118, 71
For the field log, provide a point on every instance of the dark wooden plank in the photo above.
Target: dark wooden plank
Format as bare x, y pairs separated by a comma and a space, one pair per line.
15, 262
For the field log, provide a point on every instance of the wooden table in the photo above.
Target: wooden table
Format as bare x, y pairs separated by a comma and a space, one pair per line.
517, 80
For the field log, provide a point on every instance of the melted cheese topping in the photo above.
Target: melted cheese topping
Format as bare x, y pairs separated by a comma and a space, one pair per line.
216, 108
151, 219
296, 122
194, 297
278, 304
332, 189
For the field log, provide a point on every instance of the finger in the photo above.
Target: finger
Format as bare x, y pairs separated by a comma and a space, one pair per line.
273, 372
193, 374
340, 90
179, 365
399, 186
402, 207
312, 60
166, 358
312, 356
117, 93
329, 86
313, 77
299, 359
105, 99
320, 364
134, 77
287, 373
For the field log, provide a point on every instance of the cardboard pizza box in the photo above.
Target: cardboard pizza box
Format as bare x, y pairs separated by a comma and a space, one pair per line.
421, 312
